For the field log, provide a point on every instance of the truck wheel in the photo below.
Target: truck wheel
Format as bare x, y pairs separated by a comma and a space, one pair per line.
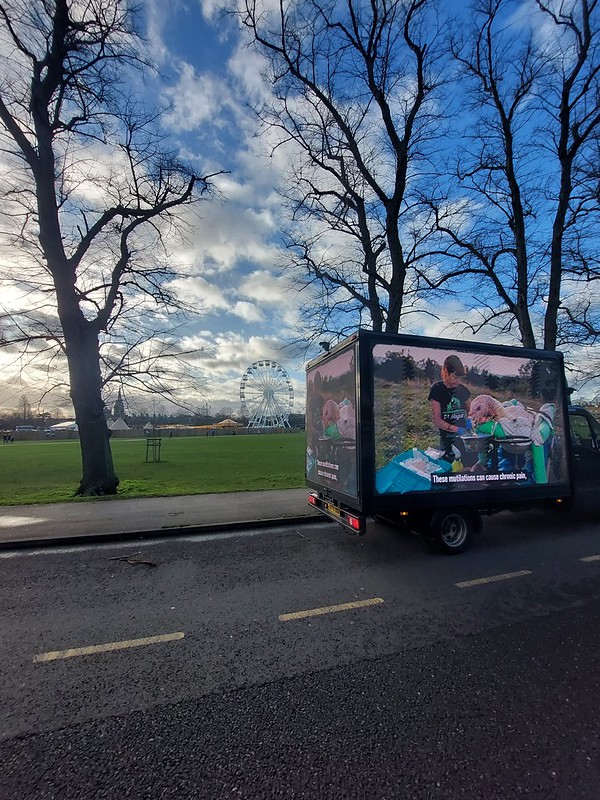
451, 531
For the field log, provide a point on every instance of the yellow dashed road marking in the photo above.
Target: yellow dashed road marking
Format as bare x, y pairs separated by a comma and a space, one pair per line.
493, 578
106, 648
316, 612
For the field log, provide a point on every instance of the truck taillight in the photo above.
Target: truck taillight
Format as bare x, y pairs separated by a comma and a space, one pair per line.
312, 500
354, 523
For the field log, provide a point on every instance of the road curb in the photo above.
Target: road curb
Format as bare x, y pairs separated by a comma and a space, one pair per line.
158, 533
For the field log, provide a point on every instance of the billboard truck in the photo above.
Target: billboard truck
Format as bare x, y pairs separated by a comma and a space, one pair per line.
434, 433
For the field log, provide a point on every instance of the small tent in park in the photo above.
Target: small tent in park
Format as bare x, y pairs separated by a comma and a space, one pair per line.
64, 426
118, 425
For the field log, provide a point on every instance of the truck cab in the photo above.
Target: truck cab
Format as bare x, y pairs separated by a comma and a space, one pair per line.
585, 458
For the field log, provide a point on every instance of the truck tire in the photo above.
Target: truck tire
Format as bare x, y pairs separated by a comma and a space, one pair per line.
451, 530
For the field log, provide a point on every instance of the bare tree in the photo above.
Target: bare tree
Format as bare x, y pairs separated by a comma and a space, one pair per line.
572, 97
521, 220
25, 409
355, 100
89, 195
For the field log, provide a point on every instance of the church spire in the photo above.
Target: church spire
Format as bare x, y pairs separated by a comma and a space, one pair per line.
119, 406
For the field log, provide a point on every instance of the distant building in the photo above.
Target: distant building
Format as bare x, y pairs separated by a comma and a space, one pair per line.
119, 407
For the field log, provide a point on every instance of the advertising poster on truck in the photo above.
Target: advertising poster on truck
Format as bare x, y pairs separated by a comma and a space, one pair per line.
331, 423
463, 420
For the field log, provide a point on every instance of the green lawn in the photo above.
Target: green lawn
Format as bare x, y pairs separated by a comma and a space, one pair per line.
48, 472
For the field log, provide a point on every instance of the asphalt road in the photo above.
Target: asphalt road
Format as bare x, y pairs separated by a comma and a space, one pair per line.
305, 663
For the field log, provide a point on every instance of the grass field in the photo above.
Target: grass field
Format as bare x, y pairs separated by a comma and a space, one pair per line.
49, 472
403, 419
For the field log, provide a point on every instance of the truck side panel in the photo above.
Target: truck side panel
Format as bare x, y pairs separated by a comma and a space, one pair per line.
509, 406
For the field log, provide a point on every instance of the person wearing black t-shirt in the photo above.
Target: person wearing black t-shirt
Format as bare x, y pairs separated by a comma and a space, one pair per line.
450, 404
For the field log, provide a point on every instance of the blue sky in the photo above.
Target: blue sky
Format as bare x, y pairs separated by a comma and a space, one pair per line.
230, 261
207, 77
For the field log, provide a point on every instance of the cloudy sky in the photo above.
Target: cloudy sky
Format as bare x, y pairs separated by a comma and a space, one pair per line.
230, 259
230, 263
209, 77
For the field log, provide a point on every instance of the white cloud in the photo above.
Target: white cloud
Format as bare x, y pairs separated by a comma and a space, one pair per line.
247, 66
247, 311
211, 8
198, 291
227, 352
194, 100
156, 13
224, 238
266, 288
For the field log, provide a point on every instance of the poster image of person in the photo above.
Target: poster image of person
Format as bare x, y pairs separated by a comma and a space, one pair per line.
450, 401
339, 420
522, 437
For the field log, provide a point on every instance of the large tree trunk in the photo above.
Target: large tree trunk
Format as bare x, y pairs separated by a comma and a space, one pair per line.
556, 267
83, 359
99, 476
398, 277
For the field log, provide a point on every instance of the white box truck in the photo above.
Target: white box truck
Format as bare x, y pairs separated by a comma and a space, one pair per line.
434, 433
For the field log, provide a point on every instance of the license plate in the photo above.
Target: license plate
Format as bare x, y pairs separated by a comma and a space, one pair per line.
333, 510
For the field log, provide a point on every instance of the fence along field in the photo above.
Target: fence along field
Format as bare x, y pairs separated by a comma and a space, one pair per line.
49, 471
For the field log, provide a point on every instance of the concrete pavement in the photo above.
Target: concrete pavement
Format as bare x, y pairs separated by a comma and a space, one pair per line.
109, 519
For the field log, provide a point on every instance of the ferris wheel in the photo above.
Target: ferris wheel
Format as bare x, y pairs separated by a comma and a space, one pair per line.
266, 395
